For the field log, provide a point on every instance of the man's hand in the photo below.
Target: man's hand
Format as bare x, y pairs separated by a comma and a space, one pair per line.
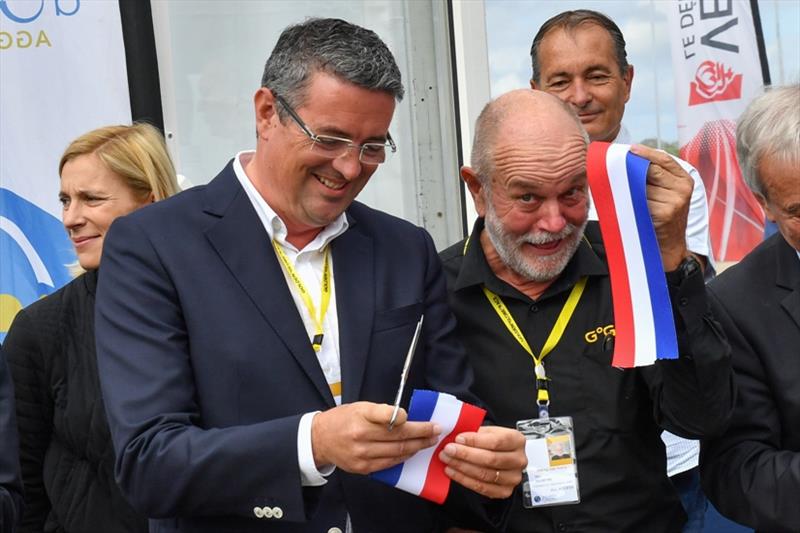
355, 437
489, 461
669, 193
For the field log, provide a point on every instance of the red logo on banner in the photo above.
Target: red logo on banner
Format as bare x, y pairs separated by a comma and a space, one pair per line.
712, 83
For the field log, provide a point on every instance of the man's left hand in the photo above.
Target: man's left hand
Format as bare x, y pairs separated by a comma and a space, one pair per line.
489, 461
669, 193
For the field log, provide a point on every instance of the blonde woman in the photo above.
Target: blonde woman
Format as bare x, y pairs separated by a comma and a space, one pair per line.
65, 447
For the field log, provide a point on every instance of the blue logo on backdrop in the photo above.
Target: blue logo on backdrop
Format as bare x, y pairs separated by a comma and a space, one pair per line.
35, 252
25, 14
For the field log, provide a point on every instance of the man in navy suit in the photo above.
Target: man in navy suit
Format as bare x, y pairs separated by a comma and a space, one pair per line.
251, 332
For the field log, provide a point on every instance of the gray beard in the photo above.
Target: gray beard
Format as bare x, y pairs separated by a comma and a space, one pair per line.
537, 269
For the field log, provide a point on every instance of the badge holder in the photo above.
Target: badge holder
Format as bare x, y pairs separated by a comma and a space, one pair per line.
551, 477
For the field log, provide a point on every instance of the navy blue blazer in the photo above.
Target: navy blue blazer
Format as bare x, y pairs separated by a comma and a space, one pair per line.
206, 367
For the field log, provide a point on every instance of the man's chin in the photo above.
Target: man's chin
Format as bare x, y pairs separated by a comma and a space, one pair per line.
547, 267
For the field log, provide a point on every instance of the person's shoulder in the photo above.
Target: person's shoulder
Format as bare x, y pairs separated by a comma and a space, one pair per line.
453, 253
181, 202
756, 269
44, 317
56, 300
380, 223
169, 221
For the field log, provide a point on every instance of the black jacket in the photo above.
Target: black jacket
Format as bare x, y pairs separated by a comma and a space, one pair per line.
752, 472
10, 480
65, 447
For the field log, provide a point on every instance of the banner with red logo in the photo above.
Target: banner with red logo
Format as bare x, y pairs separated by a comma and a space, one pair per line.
717, 72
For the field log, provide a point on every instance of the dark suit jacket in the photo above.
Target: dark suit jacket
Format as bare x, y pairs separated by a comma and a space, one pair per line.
752, 472
10, 477
206, 367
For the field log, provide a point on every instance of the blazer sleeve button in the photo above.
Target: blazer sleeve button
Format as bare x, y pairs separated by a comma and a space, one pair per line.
277, 512
267, 512
258, 512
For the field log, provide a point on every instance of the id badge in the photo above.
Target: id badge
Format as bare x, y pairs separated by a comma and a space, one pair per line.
551, 477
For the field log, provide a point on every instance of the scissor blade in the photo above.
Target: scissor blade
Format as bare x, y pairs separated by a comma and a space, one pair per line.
404, 375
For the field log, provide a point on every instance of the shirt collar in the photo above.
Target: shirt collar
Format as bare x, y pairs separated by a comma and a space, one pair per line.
275, 227
475, 270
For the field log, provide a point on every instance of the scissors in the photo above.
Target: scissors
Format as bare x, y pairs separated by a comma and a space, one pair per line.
404, 375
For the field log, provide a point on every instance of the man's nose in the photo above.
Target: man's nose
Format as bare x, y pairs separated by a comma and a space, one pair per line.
551, 219
348, 164
580, 94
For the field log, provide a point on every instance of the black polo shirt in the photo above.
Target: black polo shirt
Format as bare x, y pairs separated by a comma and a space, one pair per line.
618, 414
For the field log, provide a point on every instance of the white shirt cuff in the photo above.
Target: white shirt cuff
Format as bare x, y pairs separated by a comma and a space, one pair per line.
309, 475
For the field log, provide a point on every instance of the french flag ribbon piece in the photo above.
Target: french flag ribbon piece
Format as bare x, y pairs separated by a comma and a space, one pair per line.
645, 329
423, 474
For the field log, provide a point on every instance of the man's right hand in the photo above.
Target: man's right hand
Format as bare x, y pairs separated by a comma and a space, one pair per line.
356, 438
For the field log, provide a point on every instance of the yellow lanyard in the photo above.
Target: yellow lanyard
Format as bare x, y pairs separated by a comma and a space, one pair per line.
325, 299
542, 396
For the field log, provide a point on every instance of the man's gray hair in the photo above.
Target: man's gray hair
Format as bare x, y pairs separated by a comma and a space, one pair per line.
488, 125
333, 46
568, 21
769, 127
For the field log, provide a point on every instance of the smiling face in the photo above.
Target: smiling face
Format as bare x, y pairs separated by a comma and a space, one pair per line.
307, 189
580, 67
93, 196
535, 203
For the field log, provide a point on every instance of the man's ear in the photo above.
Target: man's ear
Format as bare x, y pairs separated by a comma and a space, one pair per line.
533, 85
628, 79
266, 113
475, 189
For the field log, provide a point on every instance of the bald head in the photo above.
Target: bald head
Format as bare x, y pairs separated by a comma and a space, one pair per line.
528, 182
523, 118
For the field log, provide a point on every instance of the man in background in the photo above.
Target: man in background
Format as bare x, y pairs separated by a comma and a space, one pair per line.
752, 472
580, 57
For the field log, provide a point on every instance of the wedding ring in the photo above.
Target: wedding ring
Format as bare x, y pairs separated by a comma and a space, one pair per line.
496, 477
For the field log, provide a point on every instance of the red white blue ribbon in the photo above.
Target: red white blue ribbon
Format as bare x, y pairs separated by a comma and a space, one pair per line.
645, 328
423, 474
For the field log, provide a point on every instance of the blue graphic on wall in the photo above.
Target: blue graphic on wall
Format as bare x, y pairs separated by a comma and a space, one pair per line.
34, 254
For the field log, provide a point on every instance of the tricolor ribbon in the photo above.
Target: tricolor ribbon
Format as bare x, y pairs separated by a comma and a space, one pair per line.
423, 474
645, 329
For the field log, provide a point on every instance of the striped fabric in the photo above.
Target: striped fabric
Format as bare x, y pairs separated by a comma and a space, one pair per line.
645, 329
423, 474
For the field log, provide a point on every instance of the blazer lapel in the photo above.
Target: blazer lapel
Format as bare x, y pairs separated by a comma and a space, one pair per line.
353, 272
243, 245
788, 277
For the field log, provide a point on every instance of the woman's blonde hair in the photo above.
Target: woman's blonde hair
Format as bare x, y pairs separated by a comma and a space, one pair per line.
135, 153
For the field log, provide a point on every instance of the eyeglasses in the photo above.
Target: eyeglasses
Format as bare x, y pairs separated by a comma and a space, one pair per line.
333, 147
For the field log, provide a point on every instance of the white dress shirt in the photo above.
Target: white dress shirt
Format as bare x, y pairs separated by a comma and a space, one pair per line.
308, 264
